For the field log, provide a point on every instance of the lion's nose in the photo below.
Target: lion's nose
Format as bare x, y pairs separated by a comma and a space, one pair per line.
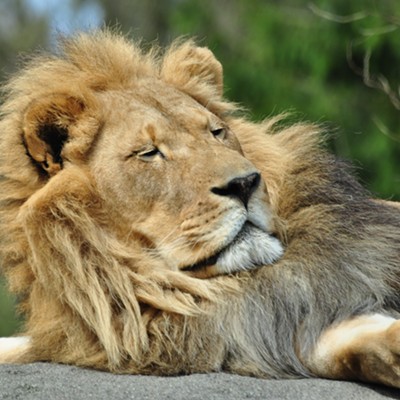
241, 187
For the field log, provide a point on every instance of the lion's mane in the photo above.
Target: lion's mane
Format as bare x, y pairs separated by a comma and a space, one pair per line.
92, 298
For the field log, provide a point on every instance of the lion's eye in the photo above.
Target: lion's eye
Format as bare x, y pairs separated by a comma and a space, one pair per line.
219, 133
149, 154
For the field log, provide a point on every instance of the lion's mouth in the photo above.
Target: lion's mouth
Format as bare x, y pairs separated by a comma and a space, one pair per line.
207, 262
250, 248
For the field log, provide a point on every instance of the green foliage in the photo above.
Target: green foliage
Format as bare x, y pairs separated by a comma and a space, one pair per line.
20, 31
8, 321
278, 55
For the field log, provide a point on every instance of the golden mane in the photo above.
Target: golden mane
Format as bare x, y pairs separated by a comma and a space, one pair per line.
84, 65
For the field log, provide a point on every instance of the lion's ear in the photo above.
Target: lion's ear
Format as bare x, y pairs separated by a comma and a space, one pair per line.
194, 70
48, 125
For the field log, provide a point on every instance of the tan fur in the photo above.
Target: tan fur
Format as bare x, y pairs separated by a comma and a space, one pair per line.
364, 348
113, 163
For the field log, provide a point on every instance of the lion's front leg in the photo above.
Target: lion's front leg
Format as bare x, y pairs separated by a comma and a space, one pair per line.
365, 348
14, 349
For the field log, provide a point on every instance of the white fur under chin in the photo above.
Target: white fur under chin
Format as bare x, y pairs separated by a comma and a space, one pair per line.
251, 248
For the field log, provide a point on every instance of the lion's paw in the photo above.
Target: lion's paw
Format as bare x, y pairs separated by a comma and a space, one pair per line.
12, 349
365, 348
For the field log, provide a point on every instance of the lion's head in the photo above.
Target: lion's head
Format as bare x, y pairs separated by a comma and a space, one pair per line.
156, 145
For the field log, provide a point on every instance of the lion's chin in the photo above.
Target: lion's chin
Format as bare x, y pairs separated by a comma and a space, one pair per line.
252, 247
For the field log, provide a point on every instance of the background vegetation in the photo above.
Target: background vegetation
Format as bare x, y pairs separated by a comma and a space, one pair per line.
331, 61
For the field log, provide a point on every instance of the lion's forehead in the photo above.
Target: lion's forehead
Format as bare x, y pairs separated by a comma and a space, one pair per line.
149, 116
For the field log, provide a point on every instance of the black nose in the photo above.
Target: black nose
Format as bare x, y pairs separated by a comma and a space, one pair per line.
241, 188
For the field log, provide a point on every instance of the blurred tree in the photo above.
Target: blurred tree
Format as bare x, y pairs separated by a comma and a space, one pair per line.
8, 321
21, 30
147, 19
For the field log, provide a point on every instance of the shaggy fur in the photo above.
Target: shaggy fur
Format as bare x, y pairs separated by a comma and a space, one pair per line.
99, 291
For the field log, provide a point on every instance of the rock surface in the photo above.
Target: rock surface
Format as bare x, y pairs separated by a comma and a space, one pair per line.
61, 382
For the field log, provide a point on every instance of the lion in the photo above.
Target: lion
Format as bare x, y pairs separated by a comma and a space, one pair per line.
148, 227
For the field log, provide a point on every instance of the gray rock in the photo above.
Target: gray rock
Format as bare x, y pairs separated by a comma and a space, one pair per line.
61, 382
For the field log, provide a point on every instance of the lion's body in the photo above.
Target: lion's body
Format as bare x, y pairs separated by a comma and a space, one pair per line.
112, 196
